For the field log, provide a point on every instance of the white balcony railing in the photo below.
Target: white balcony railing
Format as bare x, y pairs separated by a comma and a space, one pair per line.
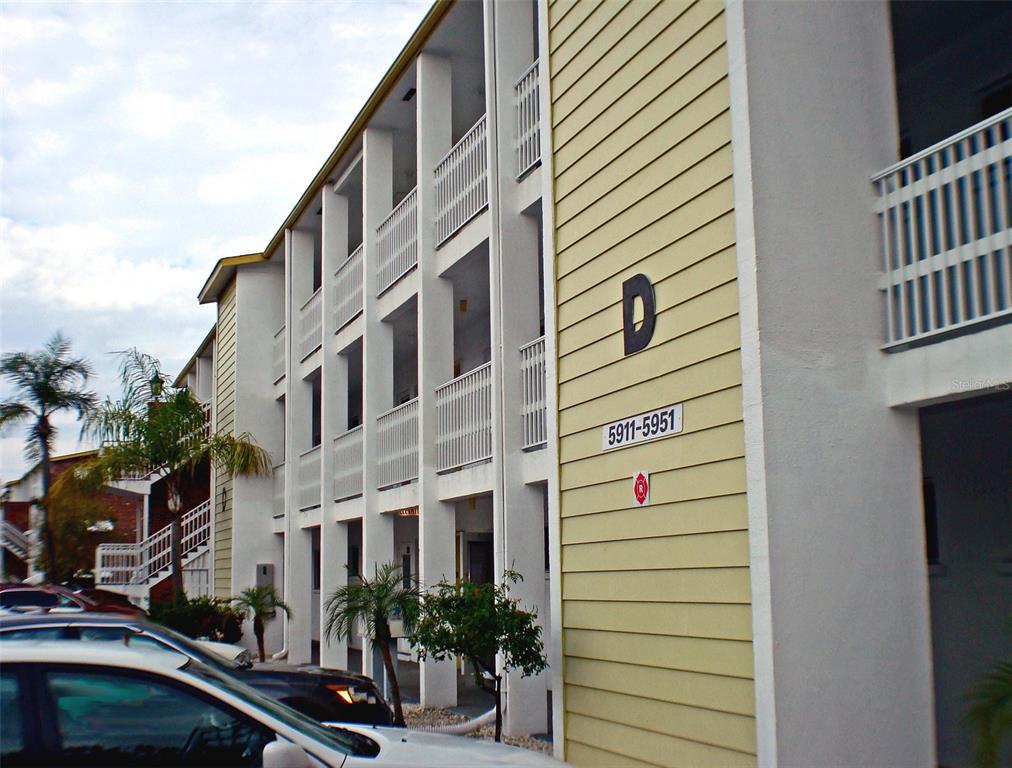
309, 478
348, 290
311, 325
462, 182
528, 108
279, 354
397, 242
279, 490
464, 419
397, 445
946, 221
532, 372
348, 464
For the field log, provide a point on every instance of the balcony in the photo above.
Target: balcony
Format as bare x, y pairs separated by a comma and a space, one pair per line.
309, 478
397, 242
532, 372
279, 354
464, 420
311, 325
946, 223
348, 464
462, 182
526, 97
397, 445
279, 490
348, 290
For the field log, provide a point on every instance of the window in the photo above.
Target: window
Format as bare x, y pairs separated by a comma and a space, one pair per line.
11, 597
105, 718
11, 736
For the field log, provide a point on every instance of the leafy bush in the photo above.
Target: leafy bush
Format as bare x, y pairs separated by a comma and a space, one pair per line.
208, 617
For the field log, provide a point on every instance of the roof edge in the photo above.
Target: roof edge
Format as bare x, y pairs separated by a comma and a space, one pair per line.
218, 278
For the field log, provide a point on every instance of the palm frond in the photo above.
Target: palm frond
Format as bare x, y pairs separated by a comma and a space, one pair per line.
13, 412
991, 714
239, 455
260, 601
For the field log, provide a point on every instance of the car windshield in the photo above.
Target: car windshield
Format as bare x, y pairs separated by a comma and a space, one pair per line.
330, 738
192, 648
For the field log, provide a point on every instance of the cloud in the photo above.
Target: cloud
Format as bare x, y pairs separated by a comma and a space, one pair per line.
245, 177
19, 31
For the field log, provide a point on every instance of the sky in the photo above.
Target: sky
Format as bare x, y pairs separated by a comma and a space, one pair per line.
142, 141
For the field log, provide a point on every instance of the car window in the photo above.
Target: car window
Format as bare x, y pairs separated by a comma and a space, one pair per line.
119, 718
33, 633
11, 597
11, 736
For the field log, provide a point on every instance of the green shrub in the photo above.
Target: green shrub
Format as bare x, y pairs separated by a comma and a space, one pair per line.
207, 617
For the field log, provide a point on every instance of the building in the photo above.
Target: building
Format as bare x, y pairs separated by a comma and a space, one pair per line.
782, 233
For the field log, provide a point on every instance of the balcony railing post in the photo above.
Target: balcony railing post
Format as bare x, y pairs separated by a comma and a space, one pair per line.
397, 445
464, 419
348, 290
397, 242
348, 464
279, 354
462, 182
528, 124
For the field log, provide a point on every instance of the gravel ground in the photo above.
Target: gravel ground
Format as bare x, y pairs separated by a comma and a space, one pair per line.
415, 716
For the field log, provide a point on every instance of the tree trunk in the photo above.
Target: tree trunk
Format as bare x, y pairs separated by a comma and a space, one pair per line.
498, 707
175, 541
44, 431
258, 631
395, 688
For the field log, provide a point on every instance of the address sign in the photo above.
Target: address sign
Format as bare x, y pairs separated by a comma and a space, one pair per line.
639, 429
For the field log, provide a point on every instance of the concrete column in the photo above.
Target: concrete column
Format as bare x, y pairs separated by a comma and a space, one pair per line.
333, 536
437, 520
298, 399
377, 353
518, 509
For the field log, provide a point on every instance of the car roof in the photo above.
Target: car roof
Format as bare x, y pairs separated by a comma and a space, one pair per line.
21, 619
102, 654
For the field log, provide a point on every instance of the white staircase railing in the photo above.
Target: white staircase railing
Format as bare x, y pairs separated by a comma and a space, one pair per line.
397, 242
138, 563
528, 106
14, 540
464, 419
946, 220
532, 371
462, 182
348, 464
348, 290
397, 445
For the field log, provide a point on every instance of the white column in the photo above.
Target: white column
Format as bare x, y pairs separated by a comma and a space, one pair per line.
518, 509
437, 519
377, 352
334, 413
298, 400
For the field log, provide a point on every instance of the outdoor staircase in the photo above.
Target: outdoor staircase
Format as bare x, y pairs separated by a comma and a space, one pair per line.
134, 569
14, 540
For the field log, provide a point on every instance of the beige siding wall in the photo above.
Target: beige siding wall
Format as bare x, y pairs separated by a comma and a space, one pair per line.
656, 606
224, 399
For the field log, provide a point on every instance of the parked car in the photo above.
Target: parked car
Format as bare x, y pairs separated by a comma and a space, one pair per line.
324, 695
77, 704
58, 599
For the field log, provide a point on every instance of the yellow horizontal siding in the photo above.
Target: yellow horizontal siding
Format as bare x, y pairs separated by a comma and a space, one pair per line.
581, 754
714, 549
225, 382
700, 585
599, 28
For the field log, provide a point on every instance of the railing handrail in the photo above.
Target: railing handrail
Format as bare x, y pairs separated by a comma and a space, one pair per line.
279, 331
529, 344
397, 209
15, 535
528, 71
316, 295
348, 432
473, 373
309, 451
396, 408
351, 257
460, 141
944, 143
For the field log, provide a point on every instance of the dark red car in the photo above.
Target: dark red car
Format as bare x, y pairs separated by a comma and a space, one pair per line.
53, 598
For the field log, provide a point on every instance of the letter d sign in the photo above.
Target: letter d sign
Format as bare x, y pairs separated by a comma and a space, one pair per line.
637, 338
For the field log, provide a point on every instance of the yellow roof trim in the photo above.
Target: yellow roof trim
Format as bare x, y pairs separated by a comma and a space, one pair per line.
222, 274
436, 13
193, 358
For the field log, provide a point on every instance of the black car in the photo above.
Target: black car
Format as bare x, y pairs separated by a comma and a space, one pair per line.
324, 695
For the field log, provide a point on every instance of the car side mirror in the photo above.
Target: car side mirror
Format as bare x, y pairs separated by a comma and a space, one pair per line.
285, 754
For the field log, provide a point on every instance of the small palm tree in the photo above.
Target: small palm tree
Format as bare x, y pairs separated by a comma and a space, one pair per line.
159, 430
372, 602
260, 603
45, 383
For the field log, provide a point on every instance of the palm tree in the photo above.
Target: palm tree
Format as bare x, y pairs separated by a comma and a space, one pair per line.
372, 602
159, 430
991, 712
260, 602
45, 383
